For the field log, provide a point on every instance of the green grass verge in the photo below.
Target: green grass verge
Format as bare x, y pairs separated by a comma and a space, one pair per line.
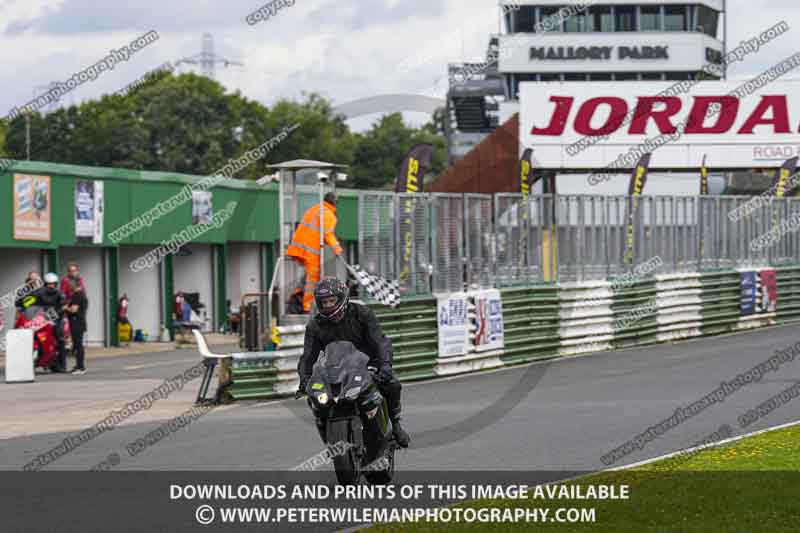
750, 485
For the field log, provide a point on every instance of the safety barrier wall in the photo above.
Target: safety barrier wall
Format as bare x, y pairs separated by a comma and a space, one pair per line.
412, 328
548, 321
264, 375
789, 294
531, 320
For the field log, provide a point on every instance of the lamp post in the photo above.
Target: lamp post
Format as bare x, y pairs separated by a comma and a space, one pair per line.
28, 135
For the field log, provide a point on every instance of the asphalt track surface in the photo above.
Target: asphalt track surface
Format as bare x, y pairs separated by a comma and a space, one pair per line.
562, 415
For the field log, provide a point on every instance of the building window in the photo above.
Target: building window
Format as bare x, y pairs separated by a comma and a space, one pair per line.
551, 13
578, 23
575, 76
650, 76
600, 76
626, 76
602, 20
679, 76
676, 18
524, 19
706, 21
549, 77
650, 18
624, 18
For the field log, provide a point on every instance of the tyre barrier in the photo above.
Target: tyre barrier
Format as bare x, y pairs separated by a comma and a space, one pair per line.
545, 321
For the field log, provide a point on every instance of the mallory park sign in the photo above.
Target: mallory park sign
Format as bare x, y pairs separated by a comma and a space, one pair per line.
597, 53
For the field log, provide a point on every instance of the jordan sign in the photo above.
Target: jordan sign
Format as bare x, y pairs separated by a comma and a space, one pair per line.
595, 125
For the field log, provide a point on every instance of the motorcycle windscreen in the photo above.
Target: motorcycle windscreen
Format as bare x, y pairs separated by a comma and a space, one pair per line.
30, 312
342, 368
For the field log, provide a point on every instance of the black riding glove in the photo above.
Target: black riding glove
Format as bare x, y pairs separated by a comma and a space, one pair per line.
384, 374
301, 389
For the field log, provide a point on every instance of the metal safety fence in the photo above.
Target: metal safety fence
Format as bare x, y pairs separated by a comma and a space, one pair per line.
478, 241
451, 242
447, 218
414, 259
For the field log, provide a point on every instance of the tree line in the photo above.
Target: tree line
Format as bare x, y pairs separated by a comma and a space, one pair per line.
189, 124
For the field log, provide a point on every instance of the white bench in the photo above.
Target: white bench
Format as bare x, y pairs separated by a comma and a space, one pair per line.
210, 360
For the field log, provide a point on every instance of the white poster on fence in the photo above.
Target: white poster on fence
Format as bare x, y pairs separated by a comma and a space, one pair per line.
453, 326
488, 320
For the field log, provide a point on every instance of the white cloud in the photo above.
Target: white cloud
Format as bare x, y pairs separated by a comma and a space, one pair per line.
342, 49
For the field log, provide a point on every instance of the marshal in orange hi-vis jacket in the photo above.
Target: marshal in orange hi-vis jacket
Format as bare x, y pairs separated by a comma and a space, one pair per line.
305, 245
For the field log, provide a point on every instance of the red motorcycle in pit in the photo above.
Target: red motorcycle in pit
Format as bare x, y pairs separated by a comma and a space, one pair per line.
45, 346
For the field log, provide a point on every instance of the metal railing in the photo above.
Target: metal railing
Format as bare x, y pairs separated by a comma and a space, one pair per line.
414, 263
478, 241
447, 218
449, 242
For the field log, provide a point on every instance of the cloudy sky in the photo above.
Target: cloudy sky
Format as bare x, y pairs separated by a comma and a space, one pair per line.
344, 49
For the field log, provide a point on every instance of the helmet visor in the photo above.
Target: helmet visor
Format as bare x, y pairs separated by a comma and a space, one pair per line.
328, 304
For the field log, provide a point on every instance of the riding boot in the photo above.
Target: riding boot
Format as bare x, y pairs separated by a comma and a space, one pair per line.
391, 388
400, 434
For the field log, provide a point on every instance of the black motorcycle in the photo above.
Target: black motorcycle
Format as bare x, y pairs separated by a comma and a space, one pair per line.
358, 432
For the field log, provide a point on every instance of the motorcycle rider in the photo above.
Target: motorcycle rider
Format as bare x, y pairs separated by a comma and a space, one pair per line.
338, 319
53, 302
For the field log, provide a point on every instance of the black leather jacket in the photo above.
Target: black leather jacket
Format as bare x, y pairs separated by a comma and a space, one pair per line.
50, 299
359, 326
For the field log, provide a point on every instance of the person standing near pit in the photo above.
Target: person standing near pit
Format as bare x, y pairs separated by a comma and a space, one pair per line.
72, 278
76, 313
305, 246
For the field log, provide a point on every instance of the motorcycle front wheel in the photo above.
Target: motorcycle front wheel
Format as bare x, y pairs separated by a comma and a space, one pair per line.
345, 464
383, 476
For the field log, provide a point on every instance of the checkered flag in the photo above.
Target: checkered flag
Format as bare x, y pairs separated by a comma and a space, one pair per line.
384, 291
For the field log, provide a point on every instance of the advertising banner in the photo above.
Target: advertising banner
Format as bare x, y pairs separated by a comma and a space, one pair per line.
31, 208
525, 182
768, 300
635, 190
84, 211
416, 164
780, 185
202, 208
598, 125
748, 300
451, 317
488, 320
99, 212
89, 211
704, 178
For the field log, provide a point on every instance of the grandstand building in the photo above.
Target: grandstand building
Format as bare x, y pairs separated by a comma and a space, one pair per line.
552, 40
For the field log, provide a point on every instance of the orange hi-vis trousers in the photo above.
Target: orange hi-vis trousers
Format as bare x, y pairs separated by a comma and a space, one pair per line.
312, 280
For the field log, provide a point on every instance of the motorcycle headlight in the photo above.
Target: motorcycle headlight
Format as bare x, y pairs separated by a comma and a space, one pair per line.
322, 398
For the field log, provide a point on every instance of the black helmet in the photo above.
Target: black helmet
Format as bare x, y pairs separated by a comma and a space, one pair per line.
332, 287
